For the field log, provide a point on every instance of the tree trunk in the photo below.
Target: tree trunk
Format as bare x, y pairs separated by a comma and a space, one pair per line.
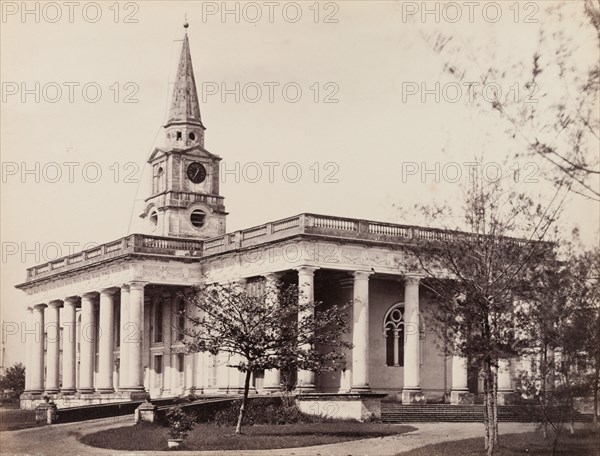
596, 386
238, 428
488, 420
495, 408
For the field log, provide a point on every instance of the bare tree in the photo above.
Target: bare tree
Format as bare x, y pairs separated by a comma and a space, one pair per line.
551, 103
478, 276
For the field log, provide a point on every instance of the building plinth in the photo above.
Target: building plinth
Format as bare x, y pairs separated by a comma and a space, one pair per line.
413, 396
461, 397
359, 406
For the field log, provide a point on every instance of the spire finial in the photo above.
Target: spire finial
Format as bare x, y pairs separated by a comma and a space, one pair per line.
185, 22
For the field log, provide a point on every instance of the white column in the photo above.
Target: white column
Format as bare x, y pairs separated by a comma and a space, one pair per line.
136, 319
306, 278
52, 325
106, 338
504, 378
37, 350
459, 373
272, 378
167, 338
87, 343
360, 332
28, 345
69, 345
124, 338
412, 378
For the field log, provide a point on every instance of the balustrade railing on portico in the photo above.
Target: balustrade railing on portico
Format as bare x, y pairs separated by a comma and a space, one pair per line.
309, 224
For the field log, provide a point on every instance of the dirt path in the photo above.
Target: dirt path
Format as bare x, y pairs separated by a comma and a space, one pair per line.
62, 440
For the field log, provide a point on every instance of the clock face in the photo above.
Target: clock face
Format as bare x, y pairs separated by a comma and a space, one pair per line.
196, 172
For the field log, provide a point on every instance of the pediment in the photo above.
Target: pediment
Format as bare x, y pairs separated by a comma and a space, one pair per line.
195, 151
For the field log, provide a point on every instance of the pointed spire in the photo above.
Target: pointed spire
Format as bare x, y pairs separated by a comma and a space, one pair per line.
184, 102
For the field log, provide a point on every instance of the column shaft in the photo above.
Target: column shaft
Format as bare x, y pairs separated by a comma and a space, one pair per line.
272, 378
106, 338
411, 392
52, 344
504, 377
87, 344
28, 345
360, 332
69, 345
136, 320
37, 350
412, 378
124, 340
306, 278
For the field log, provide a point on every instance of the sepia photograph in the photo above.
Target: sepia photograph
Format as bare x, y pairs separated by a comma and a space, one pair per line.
302, 228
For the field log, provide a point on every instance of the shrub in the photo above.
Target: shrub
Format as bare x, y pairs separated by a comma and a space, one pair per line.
265, 411
180, 423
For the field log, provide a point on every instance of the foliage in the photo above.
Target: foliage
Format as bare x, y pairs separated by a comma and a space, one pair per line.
180, 423
265, 411
272, 327
13, 379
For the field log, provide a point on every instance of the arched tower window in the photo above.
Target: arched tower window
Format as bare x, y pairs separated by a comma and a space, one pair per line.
393, 330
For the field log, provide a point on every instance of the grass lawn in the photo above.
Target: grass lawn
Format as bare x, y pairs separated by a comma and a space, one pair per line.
210, 437
582, 443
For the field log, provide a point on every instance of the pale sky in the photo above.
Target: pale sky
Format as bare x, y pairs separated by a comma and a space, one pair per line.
351, 153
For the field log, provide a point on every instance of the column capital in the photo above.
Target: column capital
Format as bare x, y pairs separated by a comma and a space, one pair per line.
272, 275
306, 270
39, 307
412, 279
71, 300
89, 295
137, 285
55, 303
124, 287
109, 291
362, 275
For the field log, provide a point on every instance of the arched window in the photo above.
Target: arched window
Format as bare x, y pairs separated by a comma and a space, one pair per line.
158, 180
393, 330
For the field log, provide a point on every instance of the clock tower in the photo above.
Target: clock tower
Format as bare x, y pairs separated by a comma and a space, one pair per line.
184, 200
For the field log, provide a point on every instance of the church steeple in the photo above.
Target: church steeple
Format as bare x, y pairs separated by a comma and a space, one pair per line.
184, 199
184, 127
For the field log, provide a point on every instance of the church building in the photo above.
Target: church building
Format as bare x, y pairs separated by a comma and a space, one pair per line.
103, 323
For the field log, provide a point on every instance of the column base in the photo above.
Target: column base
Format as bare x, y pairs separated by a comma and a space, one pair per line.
86, 391
507, 398
271, 389
105, 390
51, 391
360, 389
413, 396
67, 392
305, 389
461, 397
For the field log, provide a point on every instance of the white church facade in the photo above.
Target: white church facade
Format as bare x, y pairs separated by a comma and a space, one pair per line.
103, 323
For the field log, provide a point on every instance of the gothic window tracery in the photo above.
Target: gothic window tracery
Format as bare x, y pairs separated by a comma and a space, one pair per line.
393, 331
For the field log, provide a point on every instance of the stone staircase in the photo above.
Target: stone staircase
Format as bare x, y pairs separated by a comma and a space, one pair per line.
392, 412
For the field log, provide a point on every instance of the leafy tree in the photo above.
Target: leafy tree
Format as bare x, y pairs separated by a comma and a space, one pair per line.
274, 328
14, 379
478, 276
